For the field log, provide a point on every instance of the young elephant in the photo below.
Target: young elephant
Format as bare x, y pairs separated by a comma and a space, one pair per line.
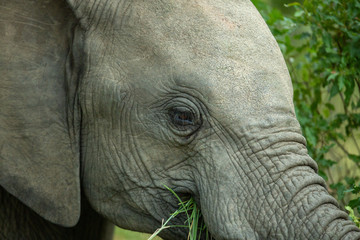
103, 102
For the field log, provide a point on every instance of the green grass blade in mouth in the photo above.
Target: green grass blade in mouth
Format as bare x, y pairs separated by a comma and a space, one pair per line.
193, 222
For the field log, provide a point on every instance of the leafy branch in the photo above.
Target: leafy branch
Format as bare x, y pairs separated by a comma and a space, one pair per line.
321, 44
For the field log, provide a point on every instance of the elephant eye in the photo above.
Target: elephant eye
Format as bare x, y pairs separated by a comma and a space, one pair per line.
183, 118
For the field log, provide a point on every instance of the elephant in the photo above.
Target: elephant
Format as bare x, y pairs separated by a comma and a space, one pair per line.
105, 102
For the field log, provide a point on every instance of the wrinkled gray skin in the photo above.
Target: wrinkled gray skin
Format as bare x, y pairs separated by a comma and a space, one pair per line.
104, 102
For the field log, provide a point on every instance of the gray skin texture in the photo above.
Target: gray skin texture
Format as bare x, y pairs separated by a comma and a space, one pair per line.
104, 102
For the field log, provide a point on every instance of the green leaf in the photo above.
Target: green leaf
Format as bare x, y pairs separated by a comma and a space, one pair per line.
350, 87
292, 4
341, 83
354, 203
352, 215
329, 106
299, 13
332, 76
310, 136
350, 181
356, 189
340, 189
354, 158
327, 148
334, 90
323, 175
326, 163
353, 190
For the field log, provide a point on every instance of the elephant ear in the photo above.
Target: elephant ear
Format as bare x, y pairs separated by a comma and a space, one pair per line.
39, 150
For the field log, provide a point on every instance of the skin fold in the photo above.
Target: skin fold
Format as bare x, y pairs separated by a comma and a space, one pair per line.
103, 103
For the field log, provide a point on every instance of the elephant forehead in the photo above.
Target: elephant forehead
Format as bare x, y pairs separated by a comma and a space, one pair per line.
212, 36
252, 96
240, 92
189, 29
226, 52
221, 48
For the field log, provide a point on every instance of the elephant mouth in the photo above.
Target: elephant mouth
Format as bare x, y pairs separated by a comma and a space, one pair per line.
188, 220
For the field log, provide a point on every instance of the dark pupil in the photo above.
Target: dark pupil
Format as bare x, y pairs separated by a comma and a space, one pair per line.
183, 118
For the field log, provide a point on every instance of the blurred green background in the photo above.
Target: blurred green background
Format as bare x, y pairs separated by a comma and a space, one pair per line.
121, 234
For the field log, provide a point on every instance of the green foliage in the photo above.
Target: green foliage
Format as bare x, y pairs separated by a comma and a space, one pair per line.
321, 45
193, 215
122, 234
353, 216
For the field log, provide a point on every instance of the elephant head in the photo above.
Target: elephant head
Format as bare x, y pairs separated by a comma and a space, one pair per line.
115, 99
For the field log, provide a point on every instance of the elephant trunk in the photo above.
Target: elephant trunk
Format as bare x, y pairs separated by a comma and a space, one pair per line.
270, 192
